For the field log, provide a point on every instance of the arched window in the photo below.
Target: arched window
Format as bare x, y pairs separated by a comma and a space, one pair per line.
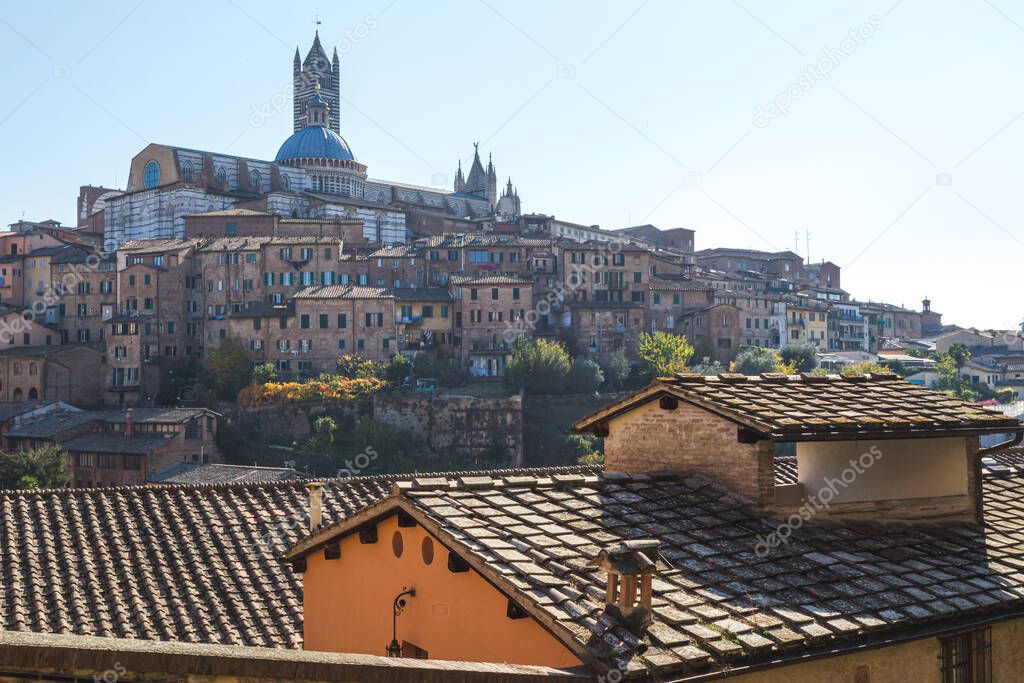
222, 175
32, 393
186, 172
17, 394
286, 182
151, 176
256, 179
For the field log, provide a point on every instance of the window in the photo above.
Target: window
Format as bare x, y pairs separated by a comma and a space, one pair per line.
151, 176
342, 321
323, 321
256, 179
472, 295
133, 462
494, 293
304, 321
187, 171
967, 657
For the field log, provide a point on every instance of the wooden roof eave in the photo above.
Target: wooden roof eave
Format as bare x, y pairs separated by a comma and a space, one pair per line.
397, 502
889, 434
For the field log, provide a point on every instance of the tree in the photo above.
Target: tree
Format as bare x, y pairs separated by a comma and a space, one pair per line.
42, 468
584, 376
753, 360
616, 369
867, 367
1006, 395
230, 368
397, 370
707, 366
263, 373
803, 356
959, 353
358, 367
537, 365
950, 380
664, 353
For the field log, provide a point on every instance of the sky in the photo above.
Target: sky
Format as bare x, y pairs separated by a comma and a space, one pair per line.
882, 136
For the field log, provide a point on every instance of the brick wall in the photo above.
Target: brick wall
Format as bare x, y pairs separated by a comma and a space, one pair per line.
650, 438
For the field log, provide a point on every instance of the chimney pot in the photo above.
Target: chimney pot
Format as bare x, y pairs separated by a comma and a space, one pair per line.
316, 497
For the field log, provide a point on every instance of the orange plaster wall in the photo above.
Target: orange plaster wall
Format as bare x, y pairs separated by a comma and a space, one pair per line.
454, 616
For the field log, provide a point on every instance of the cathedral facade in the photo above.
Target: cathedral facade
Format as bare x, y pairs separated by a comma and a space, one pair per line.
315, 174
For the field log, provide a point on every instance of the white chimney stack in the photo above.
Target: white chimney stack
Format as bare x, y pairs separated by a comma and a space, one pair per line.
316, 504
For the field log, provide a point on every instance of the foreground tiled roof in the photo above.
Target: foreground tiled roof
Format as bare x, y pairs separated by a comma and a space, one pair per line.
197, 564
344, 292
718, 603
788, 407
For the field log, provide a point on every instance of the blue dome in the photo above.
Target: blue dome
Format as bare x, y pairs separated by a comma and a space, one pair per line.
315, 141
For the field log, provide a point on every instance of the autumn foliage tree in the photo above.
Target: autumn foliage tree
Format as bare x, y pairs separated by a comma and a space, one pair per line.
664, 353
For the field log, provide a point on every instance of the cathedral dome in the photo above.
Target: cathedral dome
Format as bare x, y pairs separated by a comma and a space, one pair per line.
315, 142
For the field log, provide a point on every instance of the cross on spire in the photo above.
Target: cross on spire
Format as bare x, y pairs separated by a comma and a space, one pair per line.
316, 23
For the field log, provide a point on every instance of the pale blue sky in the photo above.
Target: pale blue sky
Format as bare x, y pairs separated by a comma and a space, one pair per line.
902, 163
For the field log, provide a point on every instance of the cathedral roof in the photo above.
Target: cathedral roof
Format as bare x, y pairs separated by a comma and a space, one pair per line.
476, 182
315, 141
316, 51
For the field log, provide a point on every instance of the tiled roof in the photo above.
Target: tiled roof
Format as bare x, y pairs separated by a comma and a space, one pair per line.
110, 442
265, 309
810, 407
216, 473
423, 294
12, 410
344, 292
190, 563
51, 425
717, 602
468, 280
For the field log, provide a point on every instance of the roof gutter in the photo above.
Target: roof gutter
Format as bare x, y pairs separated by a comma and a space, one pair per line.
1010, 443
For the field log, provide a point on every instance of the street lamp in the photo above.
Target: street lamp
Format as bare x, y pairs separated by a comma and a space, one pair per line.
394, 649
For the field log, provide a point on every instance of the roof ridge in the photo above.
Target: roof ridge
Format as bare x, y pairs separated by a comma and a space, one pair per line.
302, 481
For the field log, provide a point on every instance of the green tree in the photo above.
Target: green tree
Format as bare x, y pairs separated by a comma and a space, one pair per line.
584, 376
616, 368
397, 370
664, 353
803, 356
753, 360
537, 365
959, 353
707, 366
263, 373
229, 368
1005, 395
41, 468
950, 380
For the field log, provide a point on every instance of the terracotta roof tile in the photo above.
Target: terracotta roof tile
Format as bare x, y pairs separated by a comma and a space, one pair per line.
816, 406
716, 603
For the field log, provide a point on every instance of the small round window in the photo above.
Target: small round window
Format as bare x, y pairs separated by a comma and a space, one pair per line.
151, 176
397, 545
428, 550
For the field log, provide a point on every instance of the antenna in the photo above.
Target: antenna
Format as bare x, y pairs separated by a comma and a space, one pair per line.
796, 241
808, 234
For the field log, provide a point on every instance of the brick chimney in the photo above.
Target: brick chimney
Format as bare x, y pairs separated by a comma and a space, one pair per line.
316, 497
670, 434
129, 423
631, 566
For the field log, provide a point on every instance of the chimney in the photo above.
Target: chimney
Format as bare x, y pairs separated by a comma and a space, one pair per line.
630, 566
129, 423
316, 504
